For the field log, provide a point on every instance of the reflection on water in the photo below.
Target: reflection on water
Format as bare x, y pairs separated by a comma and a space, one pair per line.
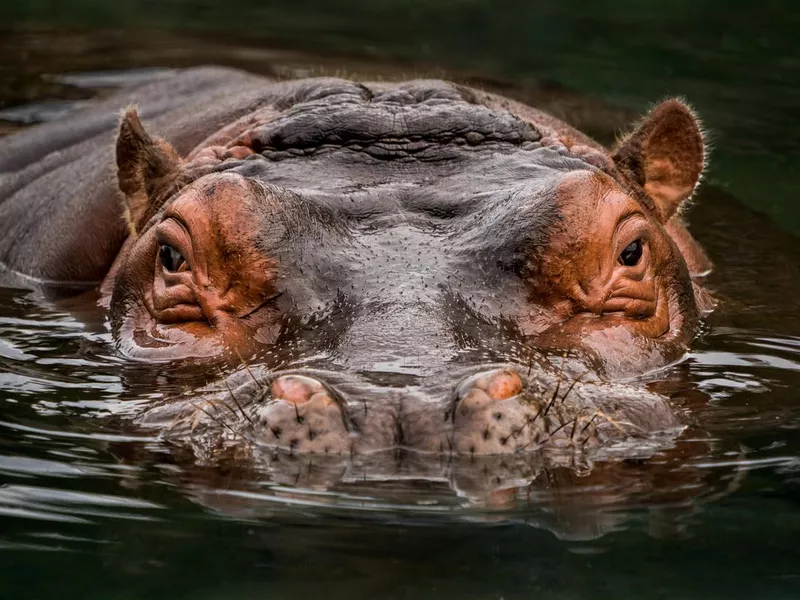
92, 509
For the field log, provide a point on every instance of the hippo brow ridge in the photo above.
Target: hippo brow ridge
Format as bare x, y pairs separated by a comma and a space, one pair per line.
387, 129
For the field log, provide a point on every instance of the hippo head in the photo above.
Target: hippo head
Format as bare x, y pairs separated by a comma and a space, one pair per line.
418, 265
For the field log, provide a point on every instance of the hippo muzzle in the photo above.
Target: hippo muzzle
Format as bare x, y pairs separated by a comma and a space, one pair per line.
495, 409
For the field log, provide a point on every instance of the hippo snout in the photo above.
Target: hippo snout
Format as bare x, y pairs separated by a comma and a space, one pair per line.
498, 409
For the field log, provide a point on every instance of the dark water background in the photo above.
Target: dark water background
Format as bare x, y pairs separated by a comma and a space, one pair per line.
87, 511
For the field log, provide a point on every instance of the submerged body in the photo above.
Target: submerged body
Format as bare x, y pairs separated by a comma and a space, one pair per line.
416, 265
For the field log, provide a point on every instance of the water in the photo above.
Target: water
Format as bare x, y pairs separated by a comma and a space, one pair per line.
92, 509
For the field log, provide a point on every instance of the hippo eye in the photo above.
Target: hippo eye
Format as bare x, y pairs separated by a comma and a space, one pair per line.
171, 259
631, 255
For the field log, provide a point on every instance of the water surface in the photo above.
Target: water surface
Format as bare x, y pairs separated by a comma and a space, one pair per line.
92, 509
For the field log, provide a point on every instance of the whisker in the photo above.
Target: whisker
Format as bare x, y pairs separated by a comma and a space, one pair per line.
618, 424
239, 406
226, 405
528, 421
574, 426
530, 361
572, 385
556, 430
214, 418
552, 399
585, 427
249, 372
297, 413
521, 448
558, 385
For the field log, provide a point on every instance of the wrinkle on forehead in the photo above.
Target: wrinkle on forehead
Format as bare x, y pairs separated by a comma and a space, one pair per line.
469, 173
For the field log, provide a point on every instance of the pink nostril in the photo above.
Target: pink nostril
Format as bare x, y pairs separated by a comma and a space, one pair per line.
504, 385
296, 389
500, 384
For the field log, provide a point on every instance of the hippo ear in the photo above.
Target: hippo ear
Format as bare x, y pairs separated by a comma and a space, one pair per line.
145, 165
665, 154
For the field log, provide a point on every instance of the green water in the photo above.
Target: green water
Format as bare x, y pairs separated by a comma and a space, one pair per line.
90, 511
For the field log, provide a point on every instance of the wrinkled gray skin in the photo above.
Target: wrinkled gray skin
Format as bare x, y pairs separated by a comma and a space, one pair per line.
399, 268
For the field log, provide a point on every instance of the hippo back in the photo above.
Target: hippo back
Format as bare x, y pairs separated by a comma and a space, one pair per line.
60, 207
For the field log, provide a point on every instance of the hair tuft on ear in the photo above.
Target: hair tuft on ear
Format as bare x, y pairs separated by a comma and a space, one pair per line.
145, 165
665, 154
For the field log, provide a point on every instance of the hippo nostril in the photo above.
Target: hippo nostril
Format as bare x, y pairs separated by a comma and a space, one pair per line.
498, 384
297, 389
491, 414
303, 415
503, 384
478, 391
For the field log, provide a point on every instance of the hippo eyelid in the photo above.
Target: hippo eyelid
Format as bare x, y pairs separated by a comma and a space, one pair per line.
171, 220
631, 226
178, 237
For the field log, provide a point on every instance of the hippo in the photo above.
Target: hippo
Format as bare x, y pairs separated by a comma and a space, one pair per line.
358, 268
